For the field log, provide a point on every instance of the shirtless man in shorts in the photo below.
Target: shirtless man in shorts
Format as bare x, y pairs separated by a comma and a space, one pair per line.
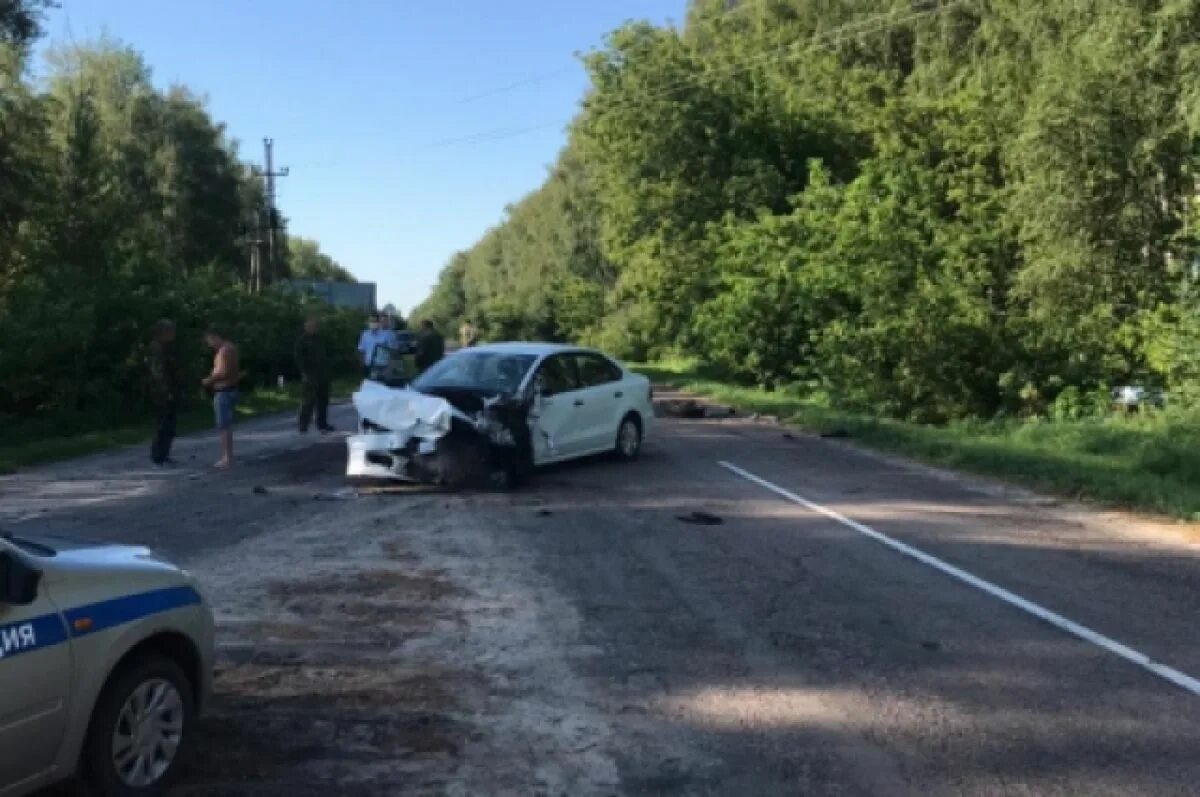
223, 382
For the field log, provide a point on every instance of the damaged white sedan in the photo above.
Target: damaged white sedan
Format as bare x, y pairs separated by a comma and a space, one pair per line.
488, 415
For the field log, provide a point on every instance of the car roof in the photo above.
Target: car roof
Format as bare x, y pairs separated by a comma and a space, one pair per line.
517, 347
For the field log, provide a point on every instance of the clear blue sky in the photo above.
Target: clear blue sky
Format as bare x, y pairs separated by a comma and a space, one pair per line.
357, 92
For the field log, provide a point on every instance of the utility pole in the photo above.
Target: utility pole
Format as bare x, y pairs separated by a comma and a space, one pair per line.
273, 226
251, 237
256, 243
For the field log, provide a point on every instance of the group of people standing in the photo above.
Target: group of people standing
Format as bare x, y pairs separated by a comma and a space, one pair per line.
379, 342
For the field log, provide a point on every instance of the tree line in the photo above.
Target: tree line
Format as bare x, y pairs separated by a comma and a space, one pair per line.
934, 210
122, 203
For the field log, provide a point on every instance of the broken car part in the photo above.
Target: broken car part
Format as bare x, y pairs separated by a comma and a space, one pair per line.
456, 439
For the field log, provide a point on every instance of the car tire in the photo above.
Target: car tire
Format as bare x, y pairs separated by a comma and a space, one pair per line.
629, 439
148, 771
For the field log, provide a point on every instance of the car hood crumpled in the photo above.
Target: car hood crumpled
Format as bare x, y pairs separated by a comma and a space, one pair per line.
405, 412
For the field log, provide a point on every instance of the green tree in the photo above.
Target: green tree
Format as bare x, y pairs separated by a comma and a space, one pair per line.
120, 203
20, 21
307, 261
931, 210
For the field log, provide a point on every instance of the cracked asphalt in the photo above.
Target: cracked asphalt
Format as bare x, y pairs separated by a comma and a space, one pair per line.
661, 627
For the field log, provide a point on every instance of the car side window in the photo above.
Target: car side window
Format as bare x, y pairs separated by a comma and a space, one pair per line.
558, 375
595, 370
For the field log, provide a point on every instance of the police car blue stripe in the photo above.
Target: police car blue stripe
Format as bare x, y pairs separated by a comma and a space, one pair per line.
49, 630
30, 635
119, 611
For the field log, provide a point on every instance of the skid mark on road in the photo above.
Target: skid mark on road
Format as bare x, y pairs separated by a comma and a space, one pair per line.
1170, 674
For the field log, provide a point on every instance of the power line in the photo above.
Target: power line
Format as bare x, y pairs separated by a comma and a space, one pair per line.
496, 134
534, 80
825, 39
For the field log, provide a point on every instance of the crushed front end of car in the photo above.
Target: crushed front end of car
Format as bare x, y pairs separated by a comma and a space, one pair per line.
456, 439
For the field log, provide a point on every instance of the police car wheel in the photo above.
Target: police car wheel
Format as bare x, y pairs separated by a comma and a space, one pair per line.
139, 730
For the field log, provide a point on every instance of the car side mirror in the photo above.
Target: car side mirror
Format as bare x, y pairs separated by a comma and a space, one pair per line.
18, 581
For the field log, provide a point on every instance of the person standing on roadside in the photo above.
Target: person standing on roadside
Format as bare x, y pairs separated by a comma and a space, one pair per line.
223, 382
468, 335
165, 388
372, 338
389, 329
312, 359
431, 347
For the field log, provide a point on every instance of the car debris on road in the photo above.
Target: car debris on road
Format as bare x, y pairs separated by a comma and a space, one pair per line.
699, 518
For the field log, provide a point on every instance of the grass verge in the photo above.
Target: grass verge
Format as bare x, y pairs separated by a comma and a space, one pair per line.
48, 441
1145, 463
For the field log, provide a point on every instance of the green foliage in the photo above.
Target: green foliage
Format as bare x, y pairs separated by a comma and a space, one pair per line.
20, 20
307, 261
121, 204
988, 210
538, 275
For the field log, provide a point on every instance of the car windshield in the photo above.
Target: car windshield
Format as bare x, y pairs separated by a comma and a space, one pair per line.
487, 371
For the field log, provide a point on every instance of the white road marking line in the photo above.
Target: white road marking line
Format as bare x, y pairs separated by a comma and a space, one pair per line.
1057, 620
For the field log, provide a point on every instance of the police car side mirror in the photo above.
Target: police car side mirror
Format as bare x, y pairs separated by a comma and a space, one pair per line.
18, 581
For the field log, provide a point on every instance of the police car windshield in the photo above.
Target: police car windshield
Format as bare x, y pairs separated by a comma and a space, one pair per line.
28, 546
484, 371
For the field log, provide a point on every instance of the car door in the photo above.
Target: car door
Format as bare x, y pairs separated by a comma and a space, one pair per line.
602, 395
35, 672
556, 405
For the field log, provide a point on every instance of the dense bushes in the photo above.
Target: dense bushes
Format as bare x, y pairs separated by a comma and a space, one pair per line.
58, 363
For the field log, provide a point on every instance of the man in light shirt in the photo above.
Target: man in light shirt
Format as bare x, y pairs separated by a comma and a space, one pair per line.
373, 344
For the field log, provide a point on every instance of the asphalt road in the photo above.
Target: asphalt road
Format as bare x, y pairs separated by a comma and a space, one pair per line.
581, 638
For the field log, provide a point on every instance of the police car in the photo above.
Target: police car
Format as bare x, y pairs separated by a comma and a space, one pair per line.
106, 659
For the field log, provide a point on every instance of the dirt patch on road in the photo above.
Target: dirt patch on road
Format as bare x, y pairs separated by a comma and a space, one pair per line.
389, 646
313, 694
276, 728
392, 602
392, 585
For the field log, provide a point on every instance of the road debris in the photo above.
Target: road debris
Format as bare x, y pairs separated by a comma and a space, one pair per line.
693, 409
345, 494
700, 519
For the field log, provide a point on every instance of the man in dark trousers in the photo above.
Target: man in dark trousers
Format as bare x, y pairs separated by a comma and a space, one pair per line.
431, 347
164, 391
312, 358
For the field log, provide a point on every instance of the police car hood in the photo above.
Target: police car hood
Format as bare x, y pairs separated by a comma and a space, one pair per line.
75, 556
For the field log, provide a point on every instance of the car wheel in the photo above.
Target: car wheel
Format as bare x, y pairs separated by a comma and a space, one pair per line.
139, 730
629, 439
